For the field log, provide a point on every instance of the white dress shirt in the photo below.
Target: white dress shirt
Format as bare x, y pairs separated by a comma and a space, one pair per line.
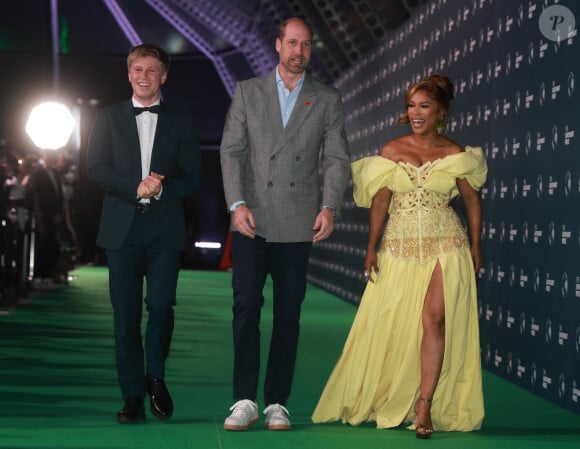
146, 126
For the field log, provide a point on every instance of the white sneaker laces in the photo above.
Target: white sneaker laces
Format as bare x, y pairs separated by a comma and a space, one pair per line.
276, 409
242, 408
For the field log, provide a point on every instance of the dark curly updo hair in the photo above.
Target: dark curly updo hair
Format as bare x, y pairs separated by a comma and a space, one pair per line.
438, 87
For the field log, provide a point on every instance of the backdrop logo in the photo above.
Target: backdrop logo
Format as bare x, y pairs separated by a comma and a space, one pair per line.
564, 285
512, 278
509, 363
539, 186
523, 330
525, 233
542, 93
546, 379
562, 386
536, 284
533, 374
562, 336
565, 235
516, 146
499, 317
513, 233
567, 184
521, 369
506, 148
554, 137
523, 278
551, 233
571, 84
548, 335
556, 23
515, 188
530, 53
497, 358
528, 144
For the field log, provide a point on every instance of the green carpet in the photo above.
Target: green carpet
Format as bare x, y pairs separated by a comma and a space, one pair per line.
58, 386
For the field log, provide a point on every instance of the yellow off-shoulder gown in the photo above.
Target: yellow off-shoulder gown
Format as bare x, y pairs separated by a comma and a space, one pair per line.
377, 377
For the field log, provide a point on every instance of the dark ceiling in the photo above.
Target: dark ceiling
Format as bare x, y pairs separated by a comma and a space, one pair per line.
213, 43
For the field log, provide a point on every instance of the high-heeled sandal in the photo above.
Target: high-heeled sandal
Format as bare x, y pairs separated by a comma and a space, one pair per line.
423, 431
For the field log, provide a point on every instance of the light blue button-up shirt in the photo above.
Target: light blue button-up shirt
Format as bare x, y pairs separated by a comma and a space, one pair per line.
287, 98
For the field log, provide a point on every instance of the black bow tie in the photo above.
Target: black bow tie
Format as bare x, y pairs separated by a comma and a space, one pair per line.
153, 109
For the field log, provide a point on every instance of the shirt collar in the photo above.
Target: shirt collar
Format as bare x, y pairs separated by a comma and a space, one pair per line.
280, 81
139, 105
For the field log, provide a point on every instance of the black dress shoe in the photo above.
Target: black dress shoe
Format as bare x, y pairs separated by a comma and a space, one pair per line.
161, 403
132, 412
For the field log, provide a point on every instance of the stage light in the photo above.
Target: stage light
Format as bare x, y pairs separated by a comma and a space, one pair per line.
50, 125
212, 245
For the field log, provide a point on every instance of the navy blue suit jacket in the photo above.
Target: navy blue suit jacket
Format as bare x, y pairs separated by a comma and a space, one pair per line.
114, 163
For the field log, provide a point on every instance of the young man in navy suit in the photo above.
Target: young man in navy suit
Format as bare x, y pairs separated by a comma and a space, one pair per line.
146, 157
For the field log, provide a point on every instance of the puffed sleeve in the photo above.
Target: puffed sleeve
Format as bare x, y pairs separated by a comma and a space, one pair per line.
475, 169
370, 174
469, 164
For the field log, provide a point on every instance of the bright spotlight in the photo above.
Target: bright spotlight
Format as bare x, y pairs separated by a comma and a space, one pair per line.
212, 245
50, 125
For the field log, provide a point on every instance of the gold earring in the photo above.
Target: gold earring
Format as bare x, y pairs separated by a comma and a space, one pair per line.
441, 123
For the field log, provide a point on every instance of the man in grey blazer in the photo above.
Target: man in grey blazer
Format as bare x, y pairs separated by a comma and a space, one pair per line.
285, 164
146, 157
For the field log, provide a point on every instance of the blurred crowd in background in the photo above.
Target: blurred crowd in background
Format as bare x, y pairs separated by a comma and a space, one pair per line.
39, 238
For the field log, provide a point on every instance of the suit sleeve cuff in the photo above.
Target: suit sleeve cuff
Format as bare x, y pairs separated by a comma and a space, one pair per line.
334, 211
237, 204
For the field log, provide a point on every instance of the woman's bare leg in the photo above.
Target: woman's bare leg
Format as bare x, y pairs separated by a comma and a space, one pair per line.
432, 346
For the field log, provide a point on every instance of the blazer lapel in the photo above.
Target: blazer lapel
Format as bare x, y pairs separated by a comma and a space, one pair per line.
160, 131
272, 103
133, 137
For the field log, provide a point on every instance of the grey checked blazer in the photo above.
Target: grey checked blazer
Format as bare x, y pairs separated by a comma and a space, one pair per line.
285, 175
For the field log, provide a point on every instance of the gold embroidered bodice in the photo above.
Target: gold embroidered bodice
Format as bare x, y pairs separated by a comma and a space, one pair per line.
422, 226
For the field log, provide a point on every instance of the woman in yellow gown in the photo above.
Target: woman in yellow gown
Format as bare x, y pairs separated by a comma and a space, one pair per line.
412, 355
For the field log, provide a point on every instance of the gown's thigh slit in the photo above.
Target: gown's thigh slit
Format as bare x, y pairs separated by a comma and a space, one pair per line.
434, 304
433, 341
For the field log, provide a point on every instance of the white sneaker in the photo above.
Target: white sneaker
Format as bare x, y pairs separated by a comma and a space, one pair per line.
244, 414
277, 417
